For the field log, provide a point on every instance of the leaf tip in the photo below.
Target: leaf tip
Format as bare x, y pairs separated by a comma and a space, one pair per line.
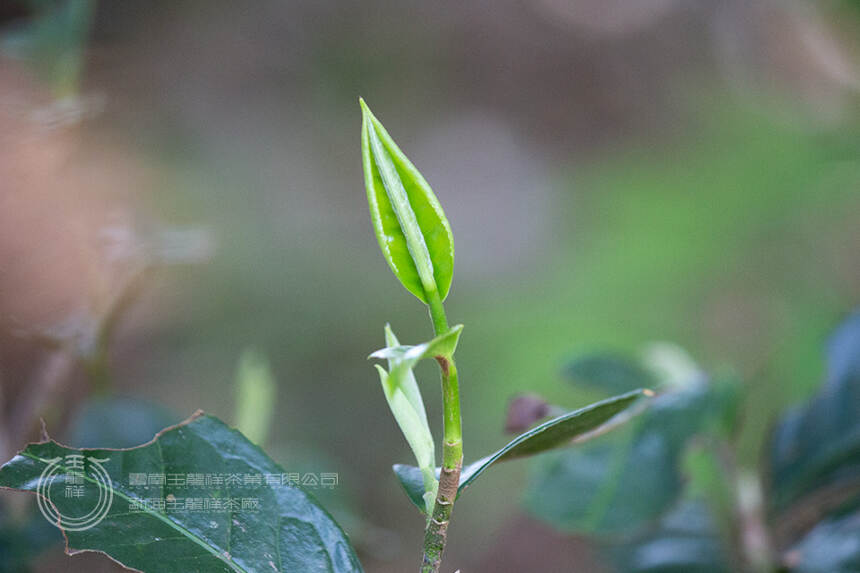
365, 110
390, 338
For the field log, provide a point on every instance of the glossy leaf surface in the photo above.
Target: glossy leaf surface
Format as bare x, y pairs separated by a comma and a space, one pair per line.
286, 530
413, 233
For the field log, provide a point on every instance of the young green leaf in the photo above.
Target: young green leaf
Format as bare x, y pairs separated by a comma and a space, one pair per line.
286, 530
409, 356
552, 434
411, 227
407, 383
404, 399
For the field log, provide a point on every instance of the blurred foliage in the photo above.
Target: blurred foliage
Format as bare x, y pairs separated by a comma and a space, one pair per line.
53, 41
831, 546
117, 422
23, 537
255, 396
636, 491
627, 478
607, 373
657, 242
684, 541
818, 445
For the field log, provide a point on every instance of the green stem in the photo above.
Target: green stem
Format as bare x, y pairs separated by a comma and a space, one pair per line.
437, 312
436, 533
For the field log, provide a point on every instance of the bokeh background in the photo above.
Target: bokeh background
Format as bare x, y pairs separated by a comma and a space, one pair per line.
181, 181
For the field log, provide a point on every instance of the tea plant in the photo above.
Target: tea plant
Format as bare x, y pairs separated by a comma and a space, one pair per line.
416, 241
150, 526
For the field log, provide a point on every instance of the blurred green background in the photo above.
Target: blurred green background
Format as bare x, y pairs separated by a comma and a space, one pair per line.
615, 173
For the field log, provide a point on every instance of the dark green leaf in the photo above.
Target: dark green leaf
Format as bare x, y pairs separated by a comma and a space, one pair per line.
552, 434
620, 481
833, 546
286, 531
411, 227
609, 373
23, 538
818, 445
559, 431
685, 541
411, 480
